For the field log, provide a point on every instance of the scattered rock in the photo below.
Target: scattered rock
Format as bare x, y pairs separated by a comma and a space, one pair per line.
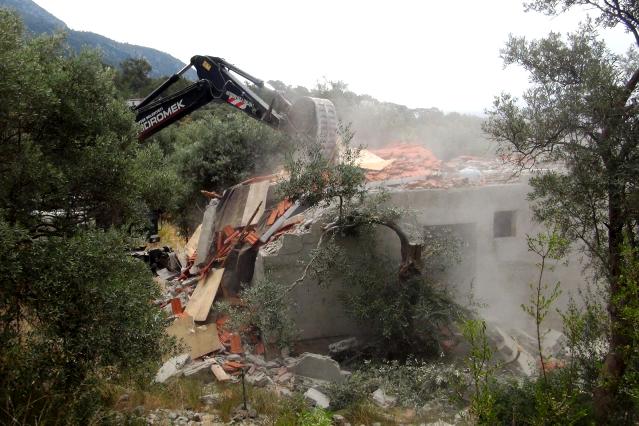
381, 399
171, 368
234, 357
319, 367
283, 378
138, 411
256, 359
339, 420
317, 398
259, 379
209, 399
200, 369
166, 275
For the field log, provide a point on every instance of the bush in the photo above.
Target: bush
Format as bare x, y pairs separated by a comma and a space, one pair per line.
534, 402
414, 382
75, 311
406, 316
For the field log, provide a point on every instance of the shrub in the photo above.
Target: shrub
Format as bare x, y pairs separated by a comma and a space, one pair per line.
75, 310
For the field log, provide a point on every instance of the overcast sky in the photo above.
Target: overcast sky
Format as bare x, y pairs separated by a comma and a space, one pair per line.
429, 53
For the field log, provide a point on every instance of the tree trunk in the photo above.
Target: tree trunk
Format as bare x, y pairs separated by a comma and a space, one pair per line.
614, 364
410, 265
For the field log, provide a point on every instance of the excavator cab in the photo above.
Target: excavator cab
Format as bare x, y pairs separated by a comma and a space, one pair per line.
218, 81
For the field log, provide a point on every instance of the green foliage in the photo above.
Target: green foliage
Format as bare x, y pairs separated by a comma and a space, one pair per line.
220, 149
627, 302
266, 308
579, 112
548, 246
414, 382
315, 417
67, 142
74, 309
406, 316
157, 180
554, 401
316, 179
481, 368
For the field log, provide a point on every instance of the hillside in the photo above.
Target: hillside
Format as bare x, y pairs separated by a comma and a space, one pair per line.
37, 21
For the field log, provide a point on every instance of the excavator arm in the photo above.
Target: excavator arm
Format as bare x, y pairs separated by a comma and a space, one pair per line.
310, 117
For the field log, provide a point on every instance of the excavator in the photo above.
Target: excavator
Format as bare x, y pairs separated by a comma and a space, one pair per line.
218, 82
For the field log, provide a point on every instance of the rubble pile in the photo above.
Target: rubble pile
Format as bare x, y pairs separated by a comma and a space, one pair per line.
412, 166
249, 218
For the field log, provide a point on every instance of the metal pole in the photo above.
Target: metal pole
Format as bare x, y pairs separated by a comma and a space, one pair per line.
244, 390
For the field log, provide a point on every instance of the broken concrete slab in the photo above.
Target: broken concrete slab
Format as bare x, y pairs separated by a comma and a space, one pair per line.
513, 354
206, 232
317, 366
171, 368
381, 399
199, 369
317, 398
166, 275
200, 340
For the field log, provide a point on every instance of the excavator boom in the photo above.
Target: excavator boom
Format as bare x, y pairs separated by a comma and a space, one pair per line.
308, 117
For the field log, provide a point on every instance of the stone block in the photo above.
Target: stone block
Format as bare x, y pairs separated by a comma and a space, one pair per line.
317, 398
318, 367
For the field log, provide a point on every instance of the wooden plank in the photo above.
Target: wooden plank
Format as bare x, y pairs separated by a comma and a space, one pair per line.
201, 340
191, 245
219, 373
202, 298
257, 193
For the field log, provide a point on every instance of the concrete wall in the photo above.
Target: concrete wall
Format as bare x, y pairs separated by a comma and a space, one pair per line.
502, 267
497, 268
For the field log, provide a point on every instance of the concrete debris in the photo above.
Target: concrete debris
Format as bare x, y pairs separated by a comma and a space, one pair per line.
317, 398
240, 413
513, 354
201, 339
414, 166
554, 342
259, 379
318, 367
171, 368
166, 275
200, 369
343, 345
339, 420
381, 399
256, 359
210, 399
206, 233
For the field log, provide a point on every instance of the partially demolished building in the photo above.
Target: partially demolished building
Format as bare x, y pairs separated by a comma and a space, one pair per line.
248, 232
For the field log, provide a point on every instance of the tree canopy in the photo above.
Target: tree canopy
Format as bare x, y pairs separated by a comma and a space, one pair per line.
581, 112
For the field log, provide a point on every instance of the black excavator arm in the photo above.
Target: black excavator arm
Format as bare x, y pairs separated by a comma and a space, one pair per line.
308, 116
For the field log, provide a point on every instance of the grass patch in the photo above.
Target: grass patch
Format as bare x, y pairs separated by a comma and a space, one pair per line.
178, 394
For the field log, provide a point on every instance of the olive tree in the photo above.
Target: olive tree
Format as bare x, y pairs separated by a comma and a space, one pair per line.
581, 111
